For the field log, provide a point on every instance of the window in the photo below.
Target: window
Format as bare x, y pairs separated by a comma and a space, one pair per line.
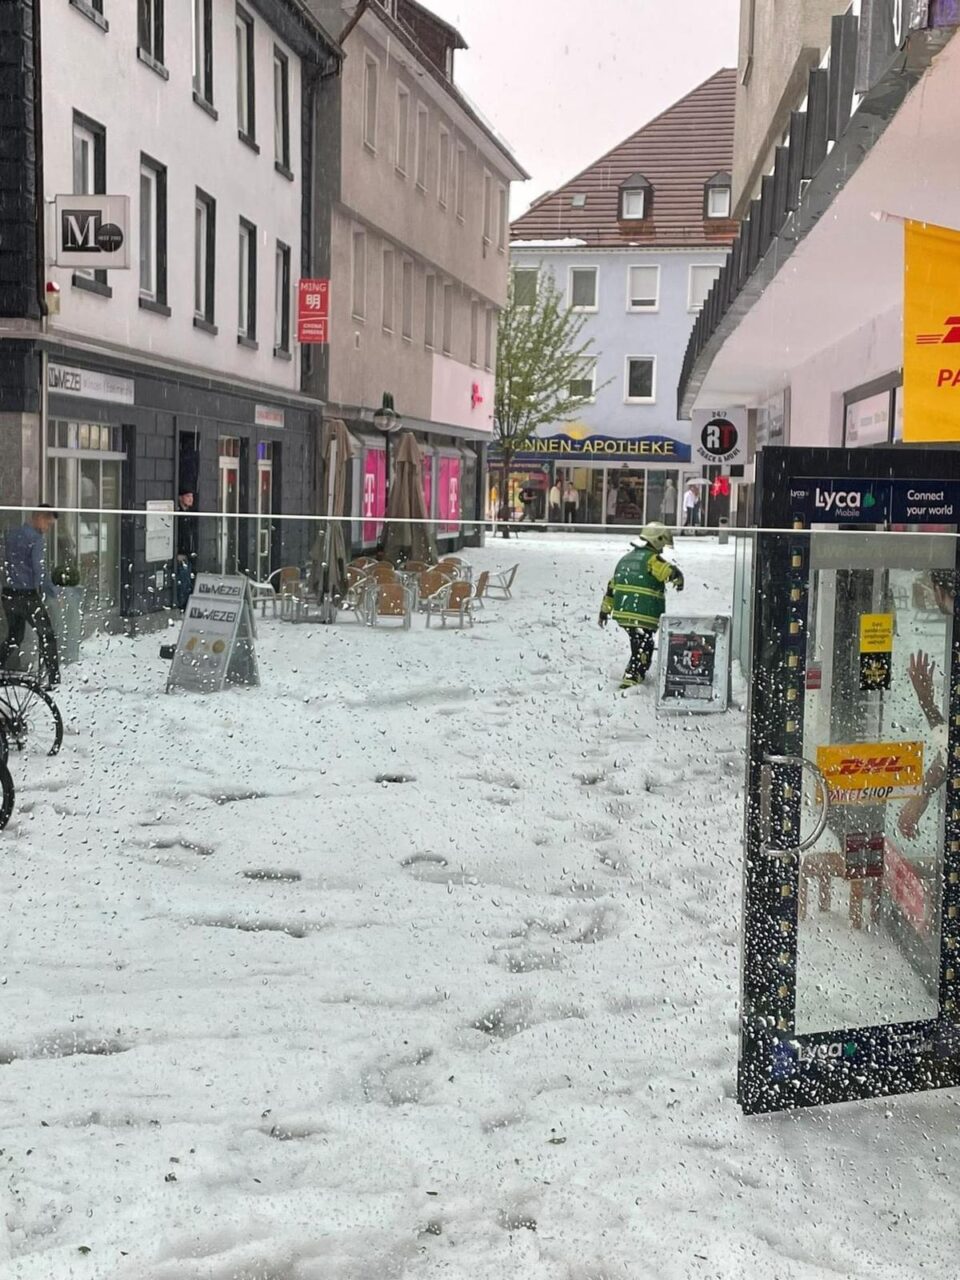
429, 312
281, 300
641, 380
246, 97
584, 382
153, 232
84, 463
460, 182
423, 132
371, 77
150, 28
718, 202
447, 319
636, 199
488, 338
203, 50
643, 289
89, 177
204, 251
474, 332
281, 111
443, 171
502, 218
583, 288
403, 129
389, 285
247, 283
633, 203
526, 283
360, 274
406, 299
487, 208
701, 282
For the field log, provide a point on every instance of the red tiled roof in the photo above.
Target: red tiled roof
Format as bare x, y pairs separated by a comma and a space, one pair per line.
678, 153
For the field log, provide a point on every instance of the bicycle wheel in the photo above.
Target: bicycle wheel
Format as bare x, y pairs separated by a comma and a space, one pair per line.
29, 715
6, 796
4, 745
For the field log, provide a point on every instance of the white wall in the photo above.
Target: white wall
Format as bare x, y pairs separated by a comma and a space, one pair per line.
99, 74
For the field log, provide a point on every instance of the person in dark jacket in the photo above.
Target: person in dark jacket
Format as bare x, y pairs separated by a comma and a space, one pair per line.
26, 585
636, 597
188, 548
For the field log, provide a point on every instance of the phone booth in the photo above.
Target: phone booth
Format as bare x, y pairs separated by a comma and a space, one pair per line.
851, 938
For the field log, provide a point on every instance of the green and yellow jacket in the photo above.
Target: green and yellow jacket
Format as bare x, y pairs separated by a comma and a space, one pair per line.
636, 594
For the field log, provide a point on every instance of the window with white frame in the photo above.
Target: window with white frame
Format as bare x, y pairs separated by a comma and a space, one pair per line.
389, 288
526, 285
443, 173
460, 182
371, 93
643, 288
203, 49
718, 202
583, 384
153, 231
503, 217
247, 282
360, 274
150, 29
430, 312
406, 299
701, 282
447, 319
633, 204
281, 300
89, 172
246, 94
487, 208
204, 258
281, 110
636, 195
474, 332
641, 380
583, 288
423, 134
403, 130
488, 335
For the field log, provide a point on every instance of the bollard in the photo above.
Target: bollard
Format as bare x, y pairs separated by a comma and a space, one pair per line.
723, 537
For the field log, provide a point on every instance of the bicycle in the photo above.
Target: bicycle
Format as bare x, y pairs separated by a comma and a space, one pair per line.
29, 715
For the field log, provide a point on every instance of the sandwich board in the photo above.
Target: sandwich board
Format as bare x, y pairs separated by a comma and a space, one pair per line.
216, 645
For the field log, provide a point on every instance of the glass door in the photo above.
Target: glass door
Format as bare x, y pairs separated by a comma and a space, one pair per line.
229, 503
264, 511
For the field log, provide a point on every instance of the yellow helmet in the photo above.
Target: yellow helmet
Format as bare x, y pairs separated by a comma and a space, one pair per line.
656, 535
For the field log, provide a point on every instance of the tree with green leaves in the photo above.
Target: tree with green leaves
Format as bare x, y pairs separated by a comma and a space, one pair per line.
542, 368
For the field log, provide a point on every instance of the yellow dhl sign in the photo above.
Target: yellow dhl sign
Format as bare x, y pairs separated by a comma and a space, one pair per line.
861, 772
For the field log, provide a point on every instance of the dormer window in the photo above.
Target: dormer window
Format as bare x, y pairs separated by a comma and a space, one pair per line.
716, 196
636, 199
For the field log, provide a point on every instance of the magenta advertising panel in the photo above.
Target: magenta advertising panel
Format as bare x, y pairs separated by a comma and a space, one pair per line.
449, 495
428, 486
374, 495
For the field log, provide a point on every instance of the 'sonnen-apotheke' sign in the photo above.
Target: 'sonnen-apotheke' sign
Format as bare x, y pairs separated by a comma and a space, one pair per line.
66, 380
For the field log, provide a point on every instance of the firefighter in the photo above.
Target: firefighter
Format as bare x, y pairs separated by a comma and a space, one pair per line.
636, 596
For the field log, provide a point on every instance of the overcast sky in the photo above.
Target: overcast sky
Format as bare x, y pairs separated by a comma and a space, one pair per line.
565, 80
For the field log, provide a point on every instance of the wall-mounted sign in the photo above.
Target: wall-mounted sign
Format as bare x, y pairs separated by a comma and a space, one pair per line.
216, 644
868, 421
876, 650
843, 501
265, 415
65, 380
373, 496
313, 311
92, 231
605, 448
865, 772
720, 436
694, 664
931, 334
159, 531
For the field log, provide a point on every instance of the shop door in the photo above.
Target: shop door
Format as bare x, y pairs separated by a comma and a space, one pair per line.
852, 881
264, 512
229, 504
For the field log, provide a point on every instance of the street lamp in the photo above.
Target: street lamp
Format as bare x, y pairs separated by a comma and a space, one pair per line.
387, 420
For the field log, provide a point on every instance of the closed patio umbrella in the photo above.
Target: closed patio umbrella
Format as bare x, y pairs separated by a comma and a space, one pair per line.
328, 555
406, 540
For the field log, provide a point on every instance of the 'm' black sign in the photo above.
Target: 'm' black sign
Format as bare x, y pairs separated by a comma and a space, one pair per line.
84, 231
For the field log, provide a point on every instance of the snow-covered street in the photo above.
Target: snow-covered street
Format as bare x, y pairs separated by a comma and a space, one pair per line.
421, 960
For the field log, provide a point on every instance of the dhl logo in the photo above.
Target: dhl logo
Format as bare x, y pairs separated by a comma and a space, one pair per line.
874, 766
952, 334
856, 769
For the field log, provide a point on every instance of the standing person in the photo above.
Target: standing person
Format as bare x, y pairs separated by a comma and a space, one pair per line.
27, 584
613, 497
188, 547
636, 596
668, 507
571, 501
691, 506
555, 499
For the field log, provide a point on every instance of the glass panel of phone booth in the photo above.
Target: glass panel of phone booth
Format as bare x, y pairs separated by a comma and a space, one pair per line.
868, 931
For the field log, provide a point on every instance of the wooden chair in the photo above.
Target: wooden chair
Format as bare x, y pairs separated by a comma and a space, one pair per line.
480, 590
416, 566
389, 602
383, 573
358, 583
455, 567
458, 604
433, 590
500, 582
289, 589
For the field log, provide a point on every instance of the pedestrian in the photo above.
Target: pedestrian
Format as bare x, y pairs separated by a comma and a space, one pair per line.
691, 506
921, 671
571, 501
636, 596
188, 547
529, 499
668, 506
27, 584
613, 497
555, 499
